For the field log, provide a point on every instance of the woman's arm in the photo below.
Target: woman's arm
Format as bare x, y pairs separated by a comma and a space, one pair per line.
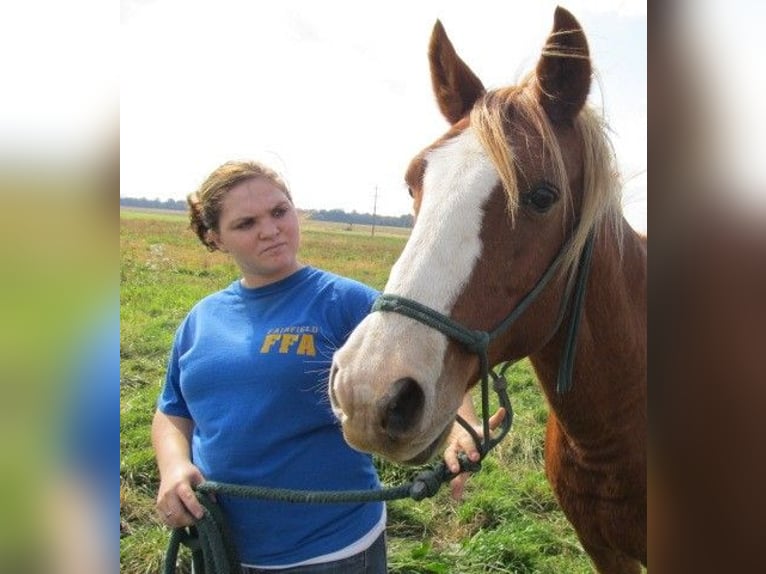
176, 501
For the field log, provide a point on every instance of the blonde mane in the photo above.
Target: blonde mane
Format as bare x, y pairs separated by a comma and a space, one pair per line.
601, 208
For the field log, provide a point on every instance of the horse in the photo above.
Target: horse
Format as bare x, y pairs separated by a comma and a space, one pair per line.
523, 185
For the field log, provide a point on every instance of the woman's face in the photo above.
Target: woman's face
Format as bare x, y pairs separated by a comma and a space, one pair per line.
259, 228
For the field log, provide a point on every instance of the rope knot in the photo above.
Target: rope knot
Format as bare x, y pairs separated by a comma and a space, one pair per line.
467, 465
499, 384
478, 343
425, 484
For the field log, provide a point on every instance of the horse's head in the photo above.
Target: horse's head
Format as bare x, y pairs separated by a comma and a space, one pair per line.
496, 197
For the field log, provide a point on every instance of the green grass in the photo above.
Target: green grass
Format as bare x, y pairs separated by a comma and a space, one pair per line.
508, 522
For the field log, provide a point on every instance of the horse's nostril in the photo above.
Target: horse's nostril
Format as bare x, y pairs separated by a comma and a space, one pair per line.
402, 407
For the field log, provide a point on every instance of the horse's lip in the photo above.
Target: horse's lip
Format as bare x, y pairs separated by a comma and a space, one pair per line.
427, 453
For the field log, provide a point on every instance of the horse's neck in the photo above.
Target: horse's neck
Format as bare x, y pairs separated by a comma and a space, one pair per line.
608, 393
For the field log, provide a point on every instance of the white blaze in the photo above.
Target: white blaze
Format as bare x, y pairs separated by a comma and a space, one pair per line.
444, 246
433, 269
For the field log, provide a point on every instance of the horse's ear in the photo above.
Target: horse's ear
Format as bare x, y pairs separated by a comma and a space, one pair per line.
564, 69
456, 87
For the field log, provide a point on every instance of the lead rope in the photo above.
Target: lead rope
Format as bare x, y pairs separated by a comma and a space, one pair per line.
211, 543
213, 551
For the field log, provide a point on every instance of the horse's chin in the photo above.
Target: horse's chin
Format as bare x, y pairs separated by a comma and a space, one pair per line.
431, 450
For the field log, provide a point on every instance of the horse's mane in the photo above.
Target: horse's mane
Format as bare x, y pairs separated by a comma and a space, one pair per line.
601, 208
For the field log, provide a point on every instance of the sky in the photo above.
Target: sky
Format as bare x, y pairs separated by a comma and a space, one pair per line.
336, 95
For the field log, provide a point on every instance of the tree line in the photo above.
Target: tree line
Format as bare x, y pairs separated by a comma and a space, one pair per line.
177, 204
341, 216
336, 215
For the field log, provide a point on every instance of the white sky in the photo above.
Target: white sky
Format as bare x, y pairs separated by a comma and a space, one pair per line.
336, 94
60, 84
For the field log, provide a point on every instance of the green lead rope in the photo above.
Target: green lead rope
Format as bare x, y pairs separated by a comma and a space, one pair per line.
211, 544
209, 540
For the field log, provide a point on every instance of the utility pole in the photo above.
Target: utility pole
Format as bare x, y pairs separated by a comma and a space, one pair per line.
374, 211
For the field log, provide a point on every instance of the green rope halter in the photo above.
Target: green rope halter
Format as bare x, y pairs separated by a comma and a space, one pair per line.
477, 342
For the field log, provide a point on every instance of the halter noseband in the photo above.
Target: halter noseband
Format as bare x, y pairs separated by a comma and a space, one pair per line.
477, 342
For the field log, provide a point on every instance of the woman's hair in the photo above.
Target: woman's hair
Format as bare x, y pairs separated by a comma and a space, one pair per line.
205, 203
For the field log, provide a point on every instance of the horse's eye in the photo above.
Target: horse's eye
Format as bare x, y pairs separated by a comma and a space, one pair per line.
409, 190
541, 198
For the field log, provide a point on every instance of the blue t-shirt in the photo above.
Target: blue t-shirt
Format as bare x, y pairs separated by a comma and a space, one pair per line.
250, 368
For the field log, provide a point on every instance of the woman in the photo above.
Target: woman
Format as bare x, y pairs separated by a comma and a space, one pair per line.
245, 401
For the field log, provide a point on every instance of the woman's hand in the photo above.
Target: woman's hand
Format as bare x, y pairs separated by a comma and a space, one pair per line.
177, 503
460, 441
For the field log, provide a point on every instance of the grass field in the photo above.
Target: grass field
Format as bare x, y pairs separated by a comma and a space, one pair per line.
508, 522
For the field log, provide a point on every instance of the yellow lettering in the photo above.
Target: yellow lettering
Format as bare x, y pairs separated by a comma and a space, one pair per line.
306, 346
287, 342
268, 342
